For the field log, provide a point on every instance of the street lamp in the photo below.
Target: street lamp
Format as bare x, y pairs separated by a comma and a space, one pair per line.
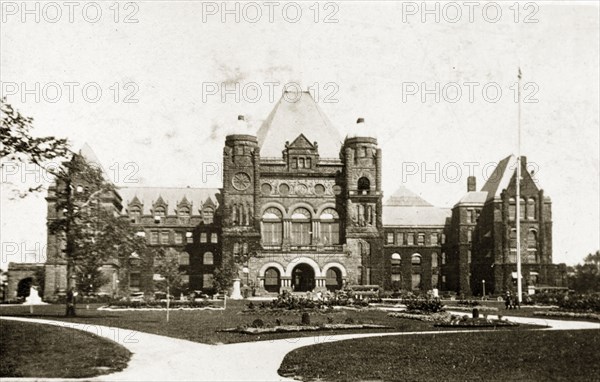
483, 283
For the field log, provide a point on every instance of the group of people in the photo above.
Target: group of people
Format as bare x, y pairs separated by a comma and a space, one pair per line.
511, 301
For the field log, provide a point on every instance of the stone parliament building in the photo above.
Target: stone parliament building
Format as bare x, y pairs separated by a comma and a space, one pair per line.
302, 209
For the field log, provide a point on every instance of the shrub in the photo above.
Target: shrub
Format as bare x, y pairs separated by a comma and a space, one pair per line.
580, 303
305, 318
470, 303
258, 323
424, 305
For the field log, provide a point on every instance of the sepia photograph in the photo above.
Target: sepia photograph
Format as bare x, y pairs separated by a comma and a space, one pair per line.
299, 190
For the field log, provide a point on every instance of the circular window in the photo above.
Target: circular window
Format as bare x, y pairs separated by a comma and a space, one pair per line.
266, 189
319, 189
241, 181
301, 189
337, 190
284, 189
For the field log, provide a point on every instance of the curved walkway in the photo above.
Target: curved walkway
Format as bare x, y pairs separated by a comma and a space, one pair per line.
159, 358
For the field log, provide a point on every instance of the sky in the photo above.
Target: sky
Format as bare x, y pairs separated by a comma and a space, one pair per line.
151, 87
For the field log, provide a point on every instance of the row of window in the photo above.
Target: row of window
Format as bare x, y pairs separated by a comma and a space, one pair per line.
527, 210
416, 280
159, 213
301, 162
301, 232
415, 259
175, 237
401, 238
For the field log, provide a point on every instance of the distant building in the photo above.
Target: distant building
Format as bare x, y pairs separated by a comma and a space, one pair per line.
301, 209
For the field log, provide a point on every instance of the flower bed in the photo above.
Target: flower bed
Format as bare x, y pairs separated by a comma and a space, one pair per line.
470, 309
433, 317
469, 322
158, 305
302, 328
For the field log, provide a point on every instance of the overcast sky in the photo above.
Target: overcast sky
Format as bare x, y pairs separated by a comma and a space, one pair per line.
165, 125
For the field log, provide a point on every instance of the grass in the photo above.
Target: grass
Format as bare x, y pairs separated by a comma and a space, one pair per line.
42, 351
202, 326
524, 311
497, 355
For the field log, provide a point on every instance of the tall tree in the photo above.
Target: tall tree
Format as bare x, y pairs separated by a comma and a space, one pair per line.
585, 277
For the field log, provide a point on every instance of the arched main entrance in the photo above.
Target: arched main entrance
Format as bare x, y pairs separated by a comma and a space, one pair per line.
303, 278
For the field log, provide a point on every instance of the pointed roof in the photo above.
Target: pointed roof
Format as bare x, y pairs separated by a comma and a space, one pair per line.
500, 178
405, 208
403, 197
295, 114
301, 142
169, 195
90, 156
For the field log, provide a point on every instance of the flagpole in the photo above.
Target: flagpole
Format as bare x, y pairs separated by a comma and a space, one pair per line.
518, 196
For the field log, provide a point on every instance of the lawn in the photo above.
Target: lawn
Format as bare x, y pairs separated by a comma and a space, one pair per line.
202, 326
42, 351
496, 355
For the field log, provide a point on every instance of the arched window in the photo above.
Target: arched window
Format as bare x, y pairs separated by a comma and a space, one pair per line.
301, 227
333, 279
531, 213
236, 249
396, 259
159, 211
135, 211
208, 258
208, 215
364, 184
272, 227
330, 227
434, 260
184, 211
415, 259
272, 280
512, 211
184, 258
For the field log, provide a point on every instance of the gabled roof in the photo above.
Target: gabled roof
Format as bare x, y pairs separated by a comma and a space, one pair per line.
405, 208
170, 195
405, 197
295, 114
301, 142
500, 178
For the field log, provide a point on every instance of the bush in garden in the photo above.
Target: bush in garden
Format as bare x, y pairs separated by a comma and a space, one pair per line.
258, 323
433, 305
580, 303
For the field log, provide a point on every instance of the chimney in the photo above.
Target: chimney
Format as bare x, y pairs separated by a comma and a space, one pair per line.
360, 120
471, 184
241, 127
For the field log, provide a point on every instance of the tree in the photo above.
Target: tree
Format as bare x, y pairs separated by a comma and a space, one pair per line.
223, 277
585, 277
18, 145
167, 266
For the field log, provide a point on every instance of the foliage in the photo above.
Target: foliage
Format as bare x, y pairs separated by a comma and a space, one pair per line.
432, 305
586, 277
18, 145
167, 266
223, 277
581, 303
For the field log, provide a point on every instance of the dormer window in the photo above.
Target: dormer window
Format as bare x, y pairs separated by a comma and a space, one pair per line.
208, 215
184, 211
159, 212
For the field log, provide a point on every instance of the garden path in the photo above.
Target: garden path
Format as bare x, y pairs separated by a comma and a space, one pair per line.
159, 358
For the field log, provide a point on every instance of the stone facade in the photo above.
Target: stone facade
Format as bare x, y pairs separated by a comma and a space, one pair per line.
308, 215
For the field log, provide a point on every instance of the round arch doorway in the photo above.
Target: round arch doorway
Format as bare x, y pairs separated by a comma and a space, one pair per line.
303, 278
